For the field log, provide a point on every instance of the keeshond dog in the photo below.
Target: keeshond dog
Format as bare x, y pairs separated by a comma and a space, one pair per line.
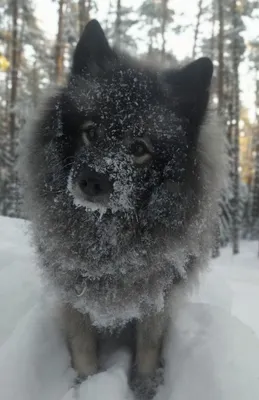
122, 171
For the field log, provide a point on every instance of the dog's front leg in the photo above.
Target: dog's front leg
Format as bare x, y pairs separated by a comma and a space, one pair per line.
147, 375
150, 336
82, 341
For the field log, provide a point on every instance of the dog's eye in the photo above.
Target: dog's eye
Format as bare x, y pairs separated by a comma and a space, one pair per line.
89, 132
140, 151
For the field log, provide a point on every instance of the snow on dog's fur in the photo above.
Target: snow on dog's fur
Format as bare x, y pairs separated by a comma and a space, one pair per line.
123, 168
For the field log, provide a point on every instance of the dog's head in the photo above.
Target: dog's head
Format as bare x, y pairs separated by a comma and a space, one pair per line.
129, 133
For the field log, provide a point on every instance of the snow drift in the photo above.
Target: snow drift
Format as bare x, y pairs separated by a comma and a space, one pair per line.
213, 350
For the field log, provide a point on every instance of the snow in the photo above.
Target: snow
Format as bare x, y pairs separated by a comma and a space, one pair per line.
212, 353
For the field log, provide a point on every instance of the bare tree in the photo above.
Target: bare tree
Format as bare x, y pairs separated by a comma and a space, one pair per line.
35, 89
216, 244
7, 77
163, 26
59, 56
235, 61
14, 76
108, 14
84, 8
197, 27
212, 45
117, 30
220, 55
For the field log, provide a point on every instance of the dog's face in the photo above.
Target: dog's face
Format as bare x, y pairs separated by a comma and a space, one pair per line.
129, 134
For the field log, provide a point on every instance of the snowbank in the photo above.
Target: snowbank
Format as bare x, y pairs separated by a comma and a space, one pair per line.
213, 352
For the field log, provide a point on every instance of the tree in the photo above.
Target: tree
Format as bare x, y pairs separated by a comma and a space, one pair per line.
220, 56
59, 56
117, 28
84, 8
236, 61
22, 43
224, 208
10, 182
14, 74
164, 21
157, 18
197, 27
255, 188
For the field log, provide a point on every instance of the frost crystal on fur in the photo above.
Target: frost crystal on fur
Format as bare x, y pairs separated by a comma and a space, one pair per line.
119, 255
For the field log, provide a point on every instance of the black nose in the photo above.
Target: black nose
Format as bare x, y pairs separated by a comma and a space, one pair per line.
93, 183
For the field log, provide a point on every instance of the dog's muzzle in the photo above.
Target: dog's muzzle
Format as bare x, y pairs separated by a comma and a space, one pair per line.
94, 186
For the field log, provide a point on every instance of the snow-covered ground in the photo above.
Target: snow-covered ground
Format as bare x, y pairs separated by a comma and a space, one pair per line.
213, 353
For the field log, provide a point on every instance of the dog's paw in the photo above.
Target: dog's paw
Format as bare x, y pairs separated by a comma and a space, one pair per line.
78, 380
145, 388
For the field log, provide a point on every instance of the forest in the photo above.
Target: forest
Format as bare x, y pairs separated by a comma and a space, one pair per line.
34, 55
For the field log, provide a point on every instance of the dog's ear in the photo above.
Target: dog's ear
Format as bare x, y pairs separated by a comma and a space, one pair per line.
93, 53
191, 89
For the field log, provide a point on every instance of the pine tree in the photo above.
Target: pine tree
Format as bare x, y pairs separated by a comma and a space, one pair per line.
19, 89
213, 23
223, 206
10, 181
236, 61
164, 22
220, 56
255, 189
117, 28
254, 212
197, 27
120, 19
59, 54
84, 8
158, 18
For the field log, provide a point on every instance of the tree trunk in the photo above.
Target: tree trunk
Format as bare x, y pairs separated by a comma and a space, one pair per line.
59, 57
255, 185
255, 201
197, 27
117, 32
220, 56
7, 83
212, 46
83, 14
14, 77
108, 15
35, 85
216, 244
9, 204
235, 59
163, 27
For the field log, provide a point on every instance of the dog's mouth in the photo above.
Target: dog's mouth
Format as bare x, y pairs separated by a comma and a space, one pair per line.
93, 203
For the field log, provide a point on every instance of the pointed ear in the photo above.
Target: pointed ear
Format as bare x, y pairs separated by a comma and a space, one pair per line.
191, 89
92, 52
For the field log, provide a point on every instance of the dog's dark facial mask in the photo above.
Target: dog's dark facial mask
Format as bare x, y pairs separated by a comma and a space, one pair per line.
131, 133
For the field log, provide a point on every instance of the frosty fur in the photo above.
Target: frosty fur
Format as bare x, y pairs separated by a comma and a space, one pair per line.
123, 260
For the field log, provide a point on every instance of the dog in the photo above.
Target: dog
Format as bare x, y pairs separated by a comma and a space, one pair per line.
122, 170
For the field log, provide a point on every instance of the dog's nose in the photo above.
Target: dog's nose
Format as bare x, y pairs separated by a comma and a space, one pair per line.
94, 184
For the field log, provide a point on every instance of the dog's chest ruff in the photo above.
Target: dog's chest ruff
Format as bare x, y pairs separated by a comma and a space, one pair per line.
131, 291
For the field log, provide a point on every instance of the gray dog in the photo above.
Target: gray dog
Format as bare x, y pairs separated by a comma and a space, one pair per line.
122, 171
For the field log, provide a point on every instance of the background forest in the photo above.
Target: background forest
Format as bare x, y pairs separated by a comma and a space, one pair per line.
37, 38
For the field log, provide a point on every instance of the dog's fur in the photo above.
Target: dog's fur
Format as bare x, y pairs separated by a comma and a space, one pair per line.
120, 259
